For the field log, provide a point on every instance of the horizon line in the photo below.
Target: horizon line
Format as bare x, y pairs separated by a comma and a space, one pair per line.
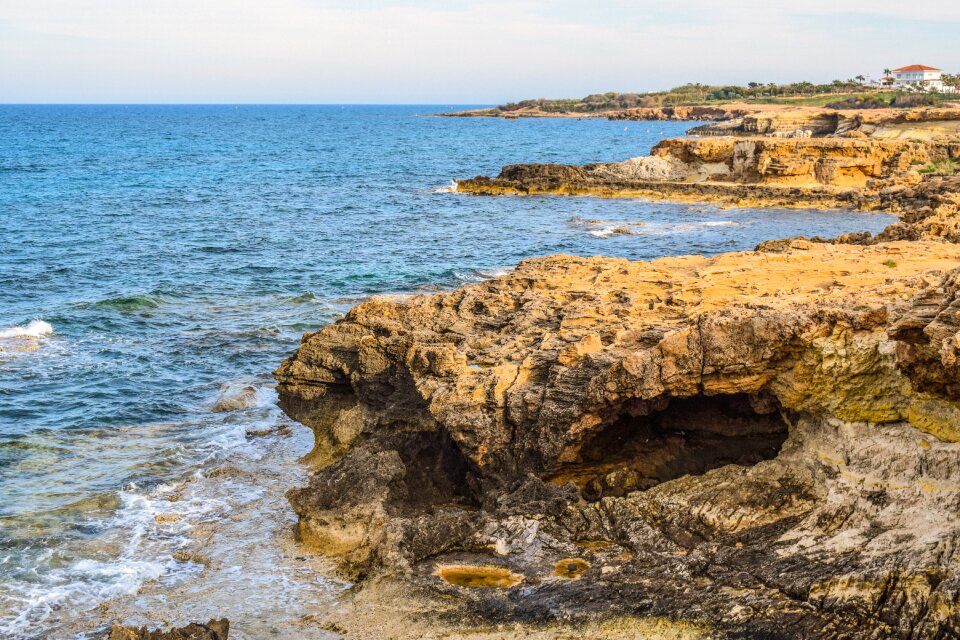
245, 104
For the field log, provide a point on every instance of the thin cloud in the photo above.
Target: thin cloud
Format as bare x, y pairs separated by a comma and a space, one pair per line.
431, 51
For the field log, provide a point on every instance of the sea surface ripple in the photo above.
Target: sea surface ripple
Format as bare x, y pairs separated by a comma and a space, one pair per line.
156, 262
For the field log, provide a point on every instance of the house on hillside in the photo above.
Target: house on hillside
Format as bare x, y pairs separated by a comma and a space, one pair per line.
918, 77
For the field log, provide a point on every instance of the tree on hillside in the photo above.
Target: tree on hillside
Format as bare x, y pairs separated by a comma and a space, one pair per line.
861, 78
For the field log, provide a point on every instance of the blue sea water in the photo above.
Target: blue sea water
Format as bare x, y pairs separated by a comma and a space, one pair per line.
168, 255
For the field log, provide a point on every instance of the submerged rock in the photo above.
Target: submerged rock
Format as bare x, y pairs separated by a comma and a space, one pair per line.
236, 397
761, 444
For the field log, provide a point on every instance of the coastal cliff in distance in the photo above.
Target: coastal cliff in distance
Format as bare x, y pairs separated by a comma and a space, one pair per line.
915, 178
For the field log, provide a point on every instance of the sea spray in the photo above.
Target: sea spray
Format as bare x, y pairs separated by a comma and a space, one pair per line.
35, 329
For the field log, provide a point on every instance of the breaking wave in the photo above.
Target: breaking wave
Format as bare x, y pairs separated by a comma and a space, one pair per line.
35, 329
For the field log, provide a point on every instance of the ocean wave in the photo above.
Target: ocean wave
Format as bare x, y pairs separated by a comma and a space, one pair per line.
471, 277
693, 226
609, 228
303, 298
606, 232
236, 396
450, 188
23, 168
82, 585
35, 329
606, 228
495, 272
142, 529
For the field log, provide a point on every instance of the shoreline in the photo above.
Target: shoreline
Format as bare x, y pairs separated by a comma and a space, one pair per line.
857, 173
356, 470
476, 470
515, 399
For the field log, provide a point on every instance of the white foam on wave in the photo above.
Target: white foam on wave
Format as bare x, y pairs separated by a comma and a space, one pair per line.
149, 525
35, 329
85, 583
479, 275
239, 395
605, 232
450, 188
496, 272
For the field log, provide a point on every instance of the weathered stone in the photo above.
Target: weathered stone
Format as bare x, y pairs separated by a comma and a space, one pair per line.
212, 630
760, 441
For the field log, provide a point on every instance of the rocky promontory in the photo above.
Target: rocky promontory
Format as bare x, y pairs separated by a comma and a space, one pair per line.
813, 122
762, 444
777, 120
758, 445
914, 178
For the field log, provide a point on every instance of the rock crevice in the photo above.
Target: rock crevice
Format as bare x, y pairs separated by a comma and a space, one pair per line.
778, 428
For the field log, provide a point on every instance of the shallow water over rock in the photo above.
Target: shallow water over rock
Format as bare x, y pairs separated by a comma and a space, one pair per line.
168, 257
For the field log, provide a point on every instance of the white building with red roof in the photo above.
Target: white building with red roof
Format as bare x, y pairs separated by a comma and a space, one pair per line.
918, 76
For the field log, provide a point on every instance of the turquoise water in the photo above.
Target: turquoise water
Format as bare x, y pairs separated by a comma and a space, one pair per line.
169, 255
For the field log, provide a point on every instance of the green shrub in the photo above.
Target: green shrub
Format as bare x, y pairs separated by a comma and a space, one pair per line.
945, 168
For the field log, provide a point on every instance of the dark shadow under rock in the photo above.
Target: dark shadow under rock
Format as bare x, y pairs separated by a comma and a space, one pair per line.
688, 437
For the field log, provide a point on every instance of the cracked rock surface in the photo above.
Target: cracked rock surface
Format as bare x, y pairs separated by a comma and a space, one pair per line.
760, 444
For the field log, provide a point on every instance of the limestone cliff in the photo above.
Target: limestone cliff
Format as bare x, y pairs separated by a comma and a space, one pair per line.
679, 114
831, 165
761, 444
775, 120
865, 174
807, 122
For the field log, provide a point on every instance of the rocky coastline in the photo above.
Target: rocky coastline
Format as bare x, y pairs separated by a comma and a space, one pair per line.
860, 173
762, 444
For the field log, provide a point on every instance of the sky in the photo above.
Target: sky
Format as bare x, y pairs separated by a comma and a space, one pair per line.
448, 51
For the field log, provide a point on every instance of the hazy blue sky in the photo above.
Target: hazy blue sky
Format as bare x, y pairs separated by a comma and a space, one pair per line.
434, 51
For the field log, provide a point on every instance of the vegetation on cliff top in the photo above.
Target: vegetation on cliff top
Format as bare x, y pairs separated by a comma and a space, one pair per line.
797, 93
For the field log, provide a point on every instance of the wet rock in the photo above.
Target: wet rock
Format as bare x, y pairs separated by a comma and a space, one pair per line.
234, 397
212, 630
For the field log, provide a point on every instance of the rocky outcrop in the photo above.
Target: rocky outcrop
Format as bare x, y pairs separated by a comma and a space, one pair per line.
760, 444
742, 171
928, 208
795, 123
807, 122
841, 163
685, 114
212, 630
774, 120
680, 113
872, 175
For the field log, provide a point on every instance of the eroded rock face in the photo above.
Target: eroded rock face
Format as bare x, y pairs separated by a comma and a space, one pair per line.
823, 166
777, 121
871, 175
755, 442
806, 122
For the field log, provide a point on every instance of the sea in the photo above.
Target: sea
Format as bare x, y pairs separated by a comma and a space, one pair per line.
158, 262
